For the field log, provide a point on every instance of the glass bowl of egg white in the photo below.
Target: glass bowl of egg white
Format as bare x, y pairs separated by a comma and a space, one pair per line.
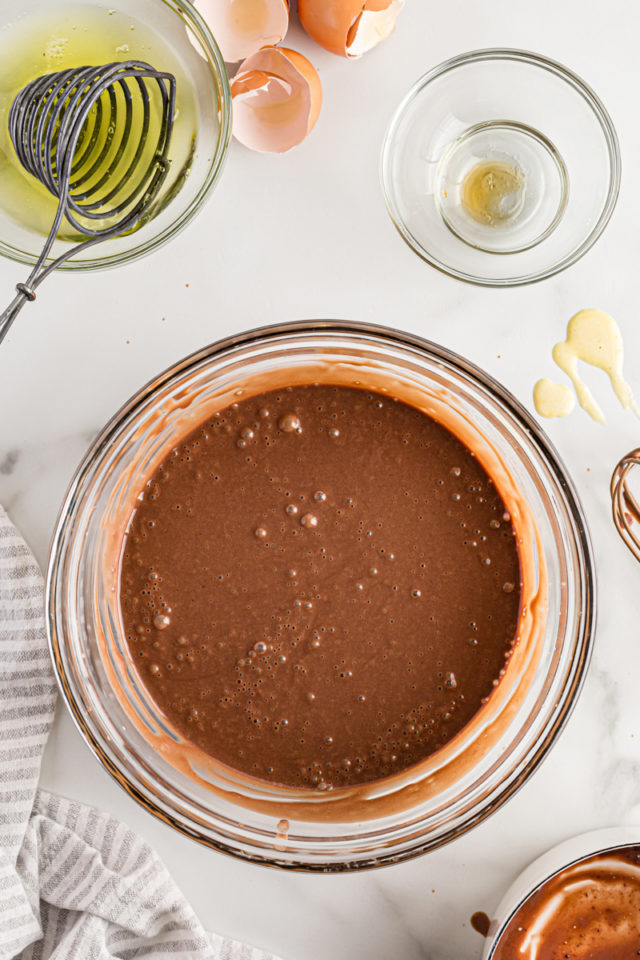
581, 899
37, 38
321, 596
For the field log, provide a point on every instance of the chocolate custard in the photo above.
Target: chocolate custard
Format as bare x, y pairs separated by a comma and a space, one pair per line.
320, 586
589, 911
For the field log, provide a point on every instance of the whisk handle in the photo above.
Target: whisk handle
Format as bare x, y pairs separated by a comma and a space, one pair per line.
24, 294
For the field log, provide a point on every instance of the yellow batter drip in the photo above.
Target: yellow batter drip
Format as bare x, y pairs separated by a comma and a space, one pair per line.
593, 337
552, 399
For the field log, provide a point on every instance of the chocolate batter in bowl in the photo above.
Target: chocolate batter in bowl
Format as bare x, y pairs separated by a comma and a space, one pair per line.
321, 596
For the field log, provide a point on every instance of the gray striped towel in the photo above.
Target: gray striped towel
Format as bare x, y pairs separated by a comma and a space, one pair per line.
75, 884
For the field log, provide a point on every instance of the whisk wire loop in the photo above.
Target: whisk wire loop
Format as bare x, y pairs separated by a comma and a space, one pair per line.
73, 131
625, 506
84, 176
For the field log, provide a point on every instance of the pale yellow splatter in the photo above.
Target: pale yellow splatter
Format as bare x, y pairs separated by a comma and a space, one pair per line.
594, 337
552, 399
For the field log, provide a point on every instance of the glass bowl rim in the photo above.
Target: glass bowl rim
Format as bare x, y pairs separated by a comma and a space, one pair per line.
183, 9
583, 634
563, 73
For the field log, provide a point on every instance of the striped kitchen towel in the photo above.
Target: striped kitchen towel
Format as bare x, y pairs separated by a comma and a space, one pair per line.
75, 884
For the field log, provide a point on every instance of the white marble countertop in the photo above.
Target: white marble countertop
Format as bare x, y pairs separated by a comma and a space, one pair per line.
306, 235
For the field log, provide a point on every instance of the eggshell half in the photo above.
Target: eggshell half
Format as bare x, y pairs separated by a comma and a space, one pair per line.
277, 97
349, 28
241, 27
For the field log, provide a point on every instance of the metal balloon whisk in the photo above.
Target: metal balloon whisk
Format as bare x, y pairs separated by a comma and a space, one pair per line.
94, 137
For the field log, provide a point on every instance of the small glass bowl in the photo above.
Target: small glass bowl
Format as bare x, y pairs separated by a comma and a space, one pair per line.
198, 64
509, 113
400, 816
566, 854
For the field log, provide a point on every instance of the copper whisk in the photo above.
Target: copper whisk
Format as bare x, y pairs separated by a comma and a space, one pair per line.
626, 509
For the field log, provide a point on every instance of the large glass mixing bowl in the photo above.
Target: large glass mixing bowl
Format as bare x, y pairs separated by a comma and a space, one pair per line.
400, 816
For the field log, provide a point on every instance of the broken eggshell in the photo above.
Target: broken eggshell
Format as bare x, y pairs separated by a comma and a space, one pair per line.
276, 100
349, 28
242, 27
